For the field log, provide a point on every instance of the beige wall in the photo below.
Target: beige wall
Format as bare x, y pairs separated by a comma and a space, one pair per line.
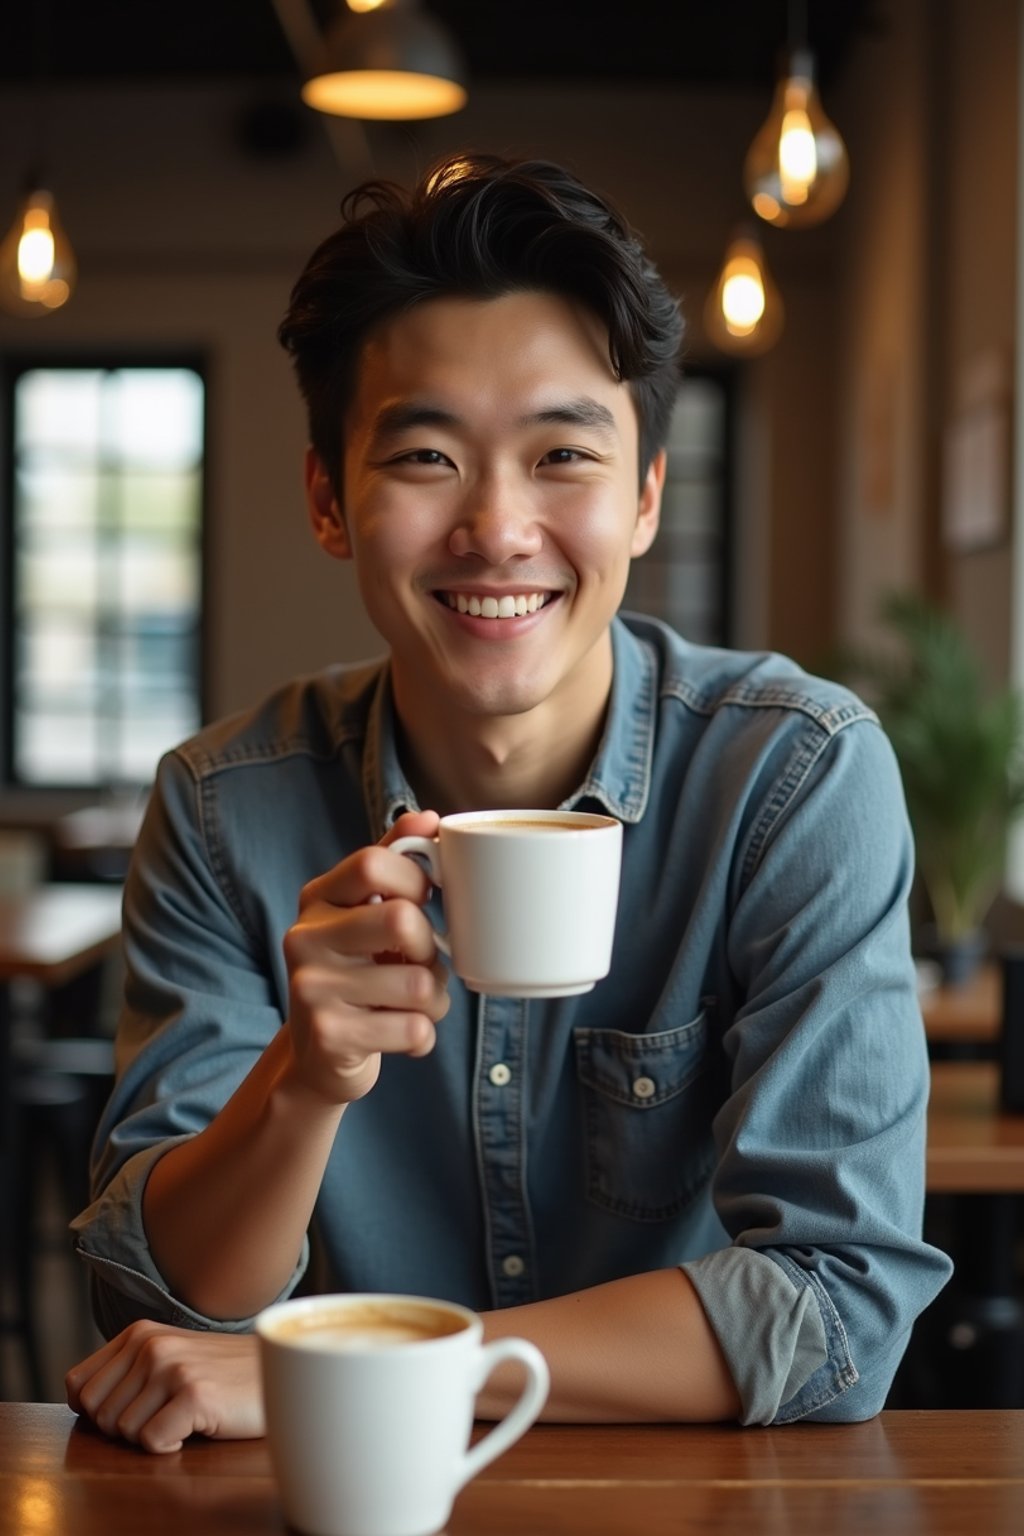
926, 290
883, 279
978, 224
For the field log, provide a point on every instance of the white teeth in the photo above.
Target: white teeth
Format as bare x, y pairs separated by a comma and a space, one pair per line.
506, 607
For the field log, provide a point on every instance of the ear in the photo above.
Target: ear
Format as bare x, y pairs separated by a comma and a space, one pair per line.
649, 512
324, 512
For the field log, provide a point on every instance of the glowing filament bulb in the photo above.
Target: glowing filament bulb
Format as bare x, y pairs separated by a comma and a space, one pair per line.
742, 298
743, 312
36, 248
798, 156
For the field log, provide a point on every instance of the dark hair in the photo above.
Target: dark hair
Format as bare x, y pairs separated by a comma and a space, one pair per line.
479, 226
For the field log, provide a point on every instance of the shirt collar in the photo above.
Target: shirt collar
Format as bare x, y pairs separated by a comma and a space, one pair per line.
386, 790
619, 777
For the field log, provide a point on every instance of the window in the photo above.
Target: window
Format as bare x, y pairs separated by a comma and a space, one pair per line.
684, 577
104, 571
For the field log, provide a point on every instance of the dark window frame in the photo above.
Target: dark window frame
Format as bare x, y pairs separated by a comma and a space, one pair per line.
107, 360
725, 375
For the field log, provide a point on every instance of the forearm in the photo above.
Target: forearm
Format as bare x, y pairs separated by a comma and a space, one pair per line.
633, 1350
225, 1212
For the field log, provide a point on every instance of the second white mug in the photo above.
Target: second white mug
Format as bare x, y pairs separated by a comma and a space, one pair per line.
369, 1406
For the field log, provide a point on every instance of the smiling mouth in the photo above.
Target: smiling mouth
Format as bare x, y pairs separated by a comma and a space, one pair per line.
508, 606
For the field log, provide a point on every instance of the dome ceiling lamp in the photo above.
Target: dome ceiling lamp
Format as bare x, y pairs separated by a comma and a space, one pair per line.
387, 60
797, 170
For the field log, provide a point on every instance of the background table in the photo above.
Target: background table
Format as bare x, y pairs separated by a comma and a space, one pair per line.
55, 931
975, 1153
52, 935
973, 1145
902, 1474
967, 1015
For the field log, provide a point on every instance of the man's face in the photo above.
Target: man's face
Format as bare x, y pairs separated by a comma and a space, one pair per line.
490, 503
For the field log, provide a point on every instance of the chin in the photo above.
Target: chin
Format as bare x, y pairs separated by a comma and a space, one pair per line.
489, 698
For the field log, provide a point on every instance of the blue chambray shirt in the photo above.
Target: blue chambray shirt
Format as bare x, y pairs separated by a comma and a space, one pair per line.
743, 1096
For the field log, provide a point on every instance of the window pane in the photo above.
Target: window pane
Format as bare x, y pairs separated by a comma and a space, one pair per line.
53, 497
56, 748
60, 409
107, 581
58, 661
146, 742
57, 573
168, 500
155, 417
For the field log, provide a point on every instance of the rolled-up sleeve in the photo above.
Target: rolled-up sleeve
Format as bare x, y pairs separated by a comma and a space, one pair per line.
821, 1139
199, 1011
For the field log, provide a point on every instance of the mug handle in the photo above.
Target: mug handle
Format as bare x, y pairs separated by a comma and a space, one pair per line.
429, 849
519, 1418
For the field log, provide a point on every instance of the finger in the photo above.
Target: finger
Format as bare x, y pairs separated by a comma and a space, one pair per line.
340, 1040
113, 1390
133, 1404
96, 1392
393, 926
163, 1434
365, 873
359, 986
81, 1374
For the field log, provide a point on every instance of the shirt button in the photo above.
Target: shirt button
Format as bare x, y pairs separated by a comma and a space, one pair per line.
500, 1074
644, 1087
513, 1266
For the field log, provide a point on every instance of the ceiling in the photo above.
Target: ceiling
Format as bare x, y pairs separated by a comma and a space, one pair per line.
715, 43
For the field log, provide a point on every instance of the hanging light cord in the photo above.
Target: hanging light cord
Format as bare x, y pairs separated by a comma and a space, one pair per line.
347, 136
797, 25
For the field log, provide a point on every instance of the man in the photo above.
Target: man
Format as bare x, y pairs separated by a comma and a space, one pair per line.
489, 365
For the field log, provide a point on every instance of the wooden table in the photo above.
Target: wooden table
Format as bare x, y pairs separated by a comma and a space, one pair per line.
902, 1474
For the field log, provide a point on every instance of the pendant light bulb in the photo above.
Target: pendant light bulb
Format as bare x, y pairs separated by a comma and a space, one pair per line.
744, 313
797, 169
37, 264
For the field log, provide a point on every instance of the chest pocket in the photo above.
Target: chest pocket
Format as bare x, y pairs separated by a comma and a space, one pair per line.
648, 1110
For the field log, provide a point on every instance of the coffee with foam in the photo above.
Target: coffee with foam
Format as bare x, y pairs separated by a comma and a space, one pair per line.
365, 1327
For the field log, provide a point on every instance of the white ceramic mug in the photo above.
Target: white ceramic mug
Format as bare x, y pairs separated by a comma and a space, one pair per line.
529, 898
369, 1407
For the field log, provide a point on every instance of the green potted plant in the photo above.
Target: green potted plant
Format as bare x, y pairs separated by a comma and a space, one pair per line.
961, 754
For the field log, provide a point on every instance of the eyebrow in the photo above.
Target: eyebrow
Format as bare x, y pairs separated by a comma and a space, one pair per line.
581, 412
408, 415
403, 415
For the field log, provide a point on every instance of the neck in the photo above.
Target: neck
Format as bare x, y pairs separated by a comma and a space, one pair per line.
458, 760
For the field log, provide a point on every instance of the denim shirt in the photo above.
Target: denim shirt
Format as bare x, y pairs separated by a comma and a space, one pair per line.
744, 1095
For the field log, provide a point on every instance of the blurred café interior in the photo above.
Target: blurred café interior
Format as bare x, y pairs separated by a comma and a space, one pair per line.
846, 440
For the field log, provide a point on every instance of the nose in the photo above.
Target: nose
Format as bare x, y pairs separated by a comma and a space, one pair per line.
496, 523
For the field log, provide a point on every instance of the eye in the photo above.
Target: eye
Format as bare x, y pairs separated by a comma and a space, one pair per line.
423, 456
563, 456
